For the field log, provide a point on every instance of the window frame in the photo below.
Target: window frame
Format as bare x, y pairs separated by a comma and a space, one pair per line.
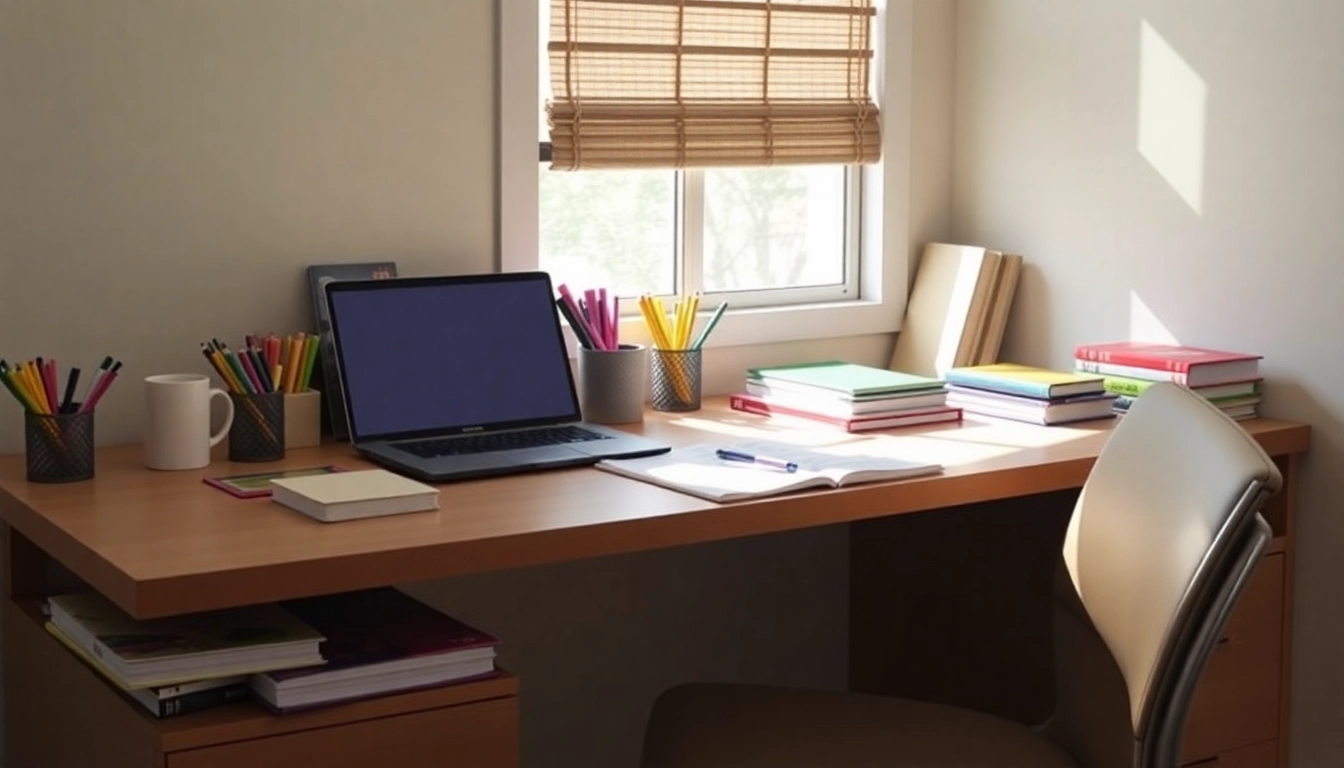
884, 255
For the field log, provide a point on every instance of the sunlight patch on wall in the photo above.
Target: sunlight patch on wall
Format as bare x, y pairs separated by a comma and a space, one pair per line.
1144, 324
1172, 111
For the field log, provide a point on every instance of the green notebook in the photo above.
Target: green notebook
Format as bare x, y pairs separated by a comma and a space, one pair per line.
850, 379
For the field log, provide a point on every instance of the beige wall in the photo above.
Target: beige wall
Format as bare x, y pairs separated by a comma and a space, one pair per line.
169, 167
1047, 162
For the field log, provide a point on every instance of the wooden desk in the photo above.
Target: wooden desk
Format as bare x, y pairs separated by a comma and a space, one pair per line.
165, 543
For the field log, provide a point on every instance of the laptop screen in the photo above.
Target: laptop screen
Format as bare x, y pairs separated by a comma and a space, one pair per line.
440, 355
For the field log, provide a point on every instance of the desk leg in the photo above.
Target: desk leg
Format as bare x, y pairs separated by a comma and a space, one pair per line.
953, 605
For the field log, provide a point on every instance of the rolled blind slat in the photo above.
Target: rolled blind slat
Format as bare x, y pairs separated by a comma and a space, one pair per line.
707, 83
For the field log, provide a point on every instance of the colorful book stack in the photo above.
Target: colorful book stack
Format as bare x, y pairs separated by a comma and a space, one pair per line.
1230, 380
1030, 394
848, 396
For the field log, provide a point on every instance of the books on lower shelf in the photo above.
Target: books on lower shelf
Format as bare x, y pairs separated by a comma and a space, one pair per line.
146, 653
185, 698
372, 642
378, 641
698, 471
351, 495
168, 700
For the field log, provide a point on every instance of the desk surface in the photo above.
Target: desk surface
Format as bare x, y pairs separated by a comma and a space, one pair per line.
160, 543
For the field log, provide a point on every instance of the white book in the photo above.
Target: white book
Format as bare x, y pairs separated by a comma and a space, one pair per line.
699, 471
349, 495
945, 308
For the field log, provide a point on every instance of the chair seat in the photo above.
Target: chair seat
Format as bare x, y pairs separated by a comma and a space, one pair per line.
745, 726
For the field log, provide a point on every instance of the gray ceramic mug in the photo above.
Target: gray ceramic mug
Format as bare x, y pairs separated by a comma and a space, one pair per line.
612, 383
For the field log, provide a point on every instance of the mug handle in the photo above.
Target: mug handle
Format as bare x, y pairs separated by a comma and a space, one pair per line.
228, 416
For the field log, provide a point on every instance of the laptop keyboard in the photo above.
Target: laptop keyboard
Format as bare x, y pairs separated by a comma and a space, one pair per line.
499, 441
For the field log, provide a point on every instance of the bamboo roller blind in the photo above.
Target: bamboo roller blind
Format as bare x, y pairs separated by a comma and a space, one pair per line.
703, 83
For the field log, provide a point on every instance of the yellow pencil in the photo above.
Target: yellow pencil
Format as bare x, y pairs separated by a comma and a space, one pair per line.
292, 365
36, 391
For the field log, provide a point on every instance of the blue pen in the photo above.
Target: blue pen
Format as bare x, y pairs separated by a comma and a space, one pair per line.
765, 461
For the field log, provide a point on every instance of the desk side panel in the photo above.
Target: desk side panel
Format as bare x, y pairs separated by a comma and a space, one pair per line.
66, 716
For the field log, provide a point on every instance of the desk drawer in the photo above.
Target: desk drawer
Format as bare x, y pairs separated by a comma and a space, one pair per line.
1262, 755
482, 734
1237, 700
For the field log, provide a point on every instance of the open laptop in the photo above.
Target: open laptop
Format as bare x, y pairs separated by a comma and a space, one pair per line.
448, 378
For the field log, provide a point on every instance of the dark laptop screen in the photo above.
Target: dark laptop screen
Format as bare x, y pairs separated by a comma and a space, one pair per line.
421, 355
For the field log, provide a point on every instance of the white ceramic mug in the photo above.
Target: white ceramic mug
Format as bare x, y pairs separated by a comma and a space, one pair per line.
177, 420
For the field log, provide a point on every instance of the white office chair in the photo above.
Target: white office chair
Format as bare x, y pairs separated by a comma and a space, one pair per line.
1162, 540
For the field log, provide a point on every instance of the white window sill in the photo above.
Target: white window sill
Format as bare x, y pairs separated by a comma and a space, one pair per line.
765, 325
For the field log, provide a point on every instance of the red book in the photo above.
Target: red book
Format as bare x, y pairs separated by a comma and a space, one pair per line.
748, 403
1191, 366
378, 641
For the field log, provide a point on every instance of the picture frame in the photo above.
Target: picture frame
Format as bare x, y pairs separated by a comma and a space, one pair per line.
318, 276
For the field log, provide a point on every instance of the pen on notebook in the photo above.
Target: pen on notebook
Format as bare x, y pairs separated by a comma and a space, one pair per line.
751, 458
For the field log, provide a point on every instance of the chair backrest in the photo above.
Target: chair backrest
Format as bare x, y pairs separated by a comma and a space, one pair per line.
1162, 540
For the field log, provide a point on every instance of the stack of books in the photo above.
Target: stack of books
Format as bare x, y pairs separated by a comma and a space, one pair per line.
843, 395
1030, 394
379, 641
1229, 380
182, 664
958, 309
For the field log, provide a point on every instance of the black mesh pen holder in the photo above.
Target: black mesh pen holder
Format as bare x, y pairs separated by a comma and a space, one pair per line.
59, 448
258, 431
675, 377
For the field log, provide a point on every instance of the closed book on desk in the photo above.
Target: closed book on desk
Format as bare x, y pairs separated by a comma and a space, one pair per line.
851, 380
1188, 366
1060, 410
697, 470
1027, 380
379, 641
351, 495
143, 653
765, 406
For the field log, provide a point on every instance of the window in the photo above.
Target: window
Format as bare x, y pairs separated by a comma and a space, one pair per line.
801, 251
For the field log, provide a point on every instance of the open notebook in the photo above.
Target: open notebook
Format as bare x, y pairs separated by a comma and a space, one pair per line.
698, 471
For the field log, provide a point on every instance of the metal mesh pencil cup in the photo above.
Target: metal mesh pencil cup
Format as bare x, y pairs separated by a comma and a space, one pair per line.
675, 376
58, 448
258, 432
